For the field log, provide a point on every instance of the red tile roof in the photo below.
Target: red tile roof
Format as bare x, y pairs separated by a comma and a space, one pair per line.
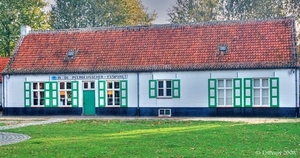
3, 63
252, 44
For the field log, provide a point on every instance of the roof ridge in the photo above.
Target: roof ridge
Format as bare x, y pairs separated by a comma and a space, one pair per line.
160, 26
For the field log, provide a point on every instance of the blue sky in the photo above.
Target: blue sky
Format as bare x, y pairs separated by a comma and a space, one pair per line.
159, 6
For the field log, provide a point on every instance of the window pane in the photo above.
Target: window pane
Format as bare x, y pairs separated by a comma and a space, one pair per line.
256, 82
168, 84
221, 101
160, 84
220, 93
228, 93
265, 92
109, 85
220, 83
35, 102
265, 82
117, 85
256, 92
35, 86
228, 101
41, 85
117, 101
117, 93
265, 101
92, 85
228, 83
109, 101
169, 92
62, 85
85, 85
160, 92
256, 101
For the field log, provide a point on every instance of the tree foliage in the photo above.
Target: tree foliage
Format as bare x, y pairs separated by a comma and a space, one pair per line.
15, 13
193, 11
250, 9
98, 13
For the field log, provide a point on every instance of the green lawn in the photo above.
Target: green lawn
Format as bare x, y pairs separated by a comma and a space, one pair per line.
156, 138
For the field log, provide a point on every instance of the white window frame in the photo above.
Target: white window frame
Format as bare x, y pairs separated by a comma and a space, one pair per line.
88, 85
261, 88
38, 91
164, 88
63, 102
164, 112
225, 90
112, 91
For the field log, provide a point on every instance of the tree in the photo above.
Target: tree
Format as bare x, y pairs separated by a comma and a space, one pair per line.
97, 13
15, 13
250, 9
193, 11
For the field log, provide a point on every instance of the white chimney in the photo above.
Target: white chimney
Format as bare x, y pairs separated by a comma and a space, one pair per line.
25, 30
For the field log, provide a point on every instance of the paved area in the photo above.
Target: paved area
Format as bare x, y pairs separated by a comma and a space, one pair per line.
10, 138
12, 122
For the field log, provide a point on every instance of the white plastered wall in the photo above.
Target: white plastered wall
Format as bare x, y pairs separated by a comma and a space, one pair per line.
194, 87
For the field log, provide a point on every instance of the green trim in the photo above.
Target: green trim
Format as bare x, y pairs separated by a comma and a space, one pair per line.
101, 93
54, 94
176, 88
47, 94
274, 92
123, 93
75, 93
237, 92
152, 89
248, 91
212, 93
27, 94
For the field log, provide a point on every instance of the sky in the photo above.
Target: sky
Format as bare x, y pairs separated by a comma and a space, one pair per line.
159, 6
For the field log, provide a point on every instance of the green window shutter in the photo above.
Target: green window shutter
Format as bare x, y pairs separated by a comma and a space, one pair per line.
47, 94
212, 93
176, 88
75, 94
248, 92
152, 89
27, 94
237, 92
54, 94
101, 94
123, 94
274, 92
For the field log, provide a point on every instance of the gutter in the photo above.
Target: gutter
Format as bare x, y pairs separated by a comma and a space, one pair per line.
138, 95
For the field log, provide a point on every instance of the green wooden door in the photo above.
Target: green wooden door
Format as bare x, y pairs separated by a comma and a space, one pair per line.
89, 102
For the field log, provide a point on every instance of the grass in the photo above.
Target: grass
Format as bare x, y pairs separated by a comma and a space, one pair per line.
2, 124
156, 138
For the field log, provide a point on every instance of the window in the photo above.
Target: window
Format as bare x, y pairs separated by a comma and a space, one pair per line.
261, 91
88, 85
224, 92
38, 93
164, 112
164, 88
113, 93
65, 91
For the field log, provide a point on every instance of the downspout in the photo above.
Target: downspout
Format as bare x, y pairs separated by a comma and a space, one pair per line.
138, 95
296, 92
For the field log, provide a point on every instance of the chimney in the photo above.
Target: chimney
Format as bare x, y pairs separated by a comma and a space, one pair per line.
25, 30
